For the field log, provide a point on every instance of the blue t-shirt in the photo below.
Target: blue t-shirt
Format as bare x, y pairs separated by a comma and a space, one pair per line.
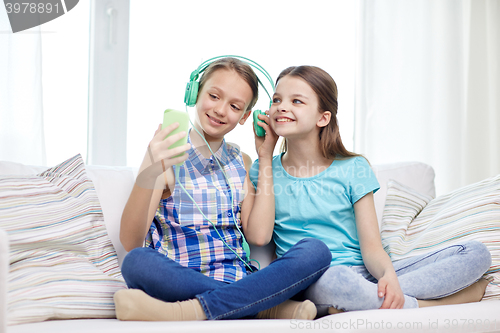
321, 206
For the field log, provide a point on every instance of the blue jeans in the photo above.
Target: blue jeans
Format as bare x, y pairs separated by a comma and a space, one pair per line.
165, 279
429, 276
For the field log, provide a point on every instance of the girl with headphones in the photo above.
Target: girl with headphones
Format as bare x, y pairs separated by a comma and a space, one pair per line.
194, 264
324, 191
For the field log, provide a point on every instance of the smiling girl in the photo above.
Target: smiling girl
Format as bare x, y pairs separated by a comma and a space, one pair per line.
194, 265
317, 188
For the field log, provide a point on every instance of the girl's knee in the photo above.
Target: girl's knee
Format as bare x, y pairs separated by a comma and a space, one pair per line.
132, 260
315, 249
337, 285
342, 276
475, 256
481, 254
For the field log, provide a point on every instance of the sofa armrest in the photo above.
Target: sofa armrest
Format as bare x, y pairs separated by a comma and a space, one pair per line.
4, 271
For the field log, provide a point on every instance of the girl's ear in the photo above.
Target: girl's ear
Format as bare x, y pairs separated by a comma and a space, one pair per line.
245, 117
325, 119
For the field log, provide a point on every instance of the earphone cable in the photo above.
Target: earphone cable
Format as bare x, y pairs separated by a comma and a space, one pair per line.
217, 231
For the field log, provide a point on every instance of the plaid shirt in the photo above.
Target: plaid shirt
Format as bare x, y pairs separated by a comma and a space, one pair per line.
179, 230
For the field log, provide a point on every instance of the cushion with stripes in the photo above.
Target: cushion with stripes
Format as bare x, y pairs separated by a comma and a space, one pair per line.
62, 262
413, 224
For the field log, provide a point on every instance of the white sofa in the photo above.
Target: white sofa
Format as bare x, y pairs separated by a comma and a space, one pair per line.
113, 185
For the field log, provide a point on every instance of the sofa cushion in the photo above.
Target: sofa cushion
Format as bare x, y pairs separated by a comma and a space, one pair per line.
416, 175
62, 262
414, 224
4, 269
112, 183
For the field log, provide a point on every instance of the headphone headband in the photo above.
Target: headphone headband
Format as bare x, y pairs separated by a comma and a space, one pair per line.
191, 93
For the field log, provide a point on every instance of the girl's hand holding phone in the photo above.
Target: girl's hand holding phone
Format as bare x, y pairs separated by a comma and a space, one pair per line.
265, 144
160, 157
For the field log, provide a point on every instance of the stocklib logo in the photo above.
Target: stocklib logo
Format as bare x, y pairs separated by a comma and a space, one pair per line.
25, 14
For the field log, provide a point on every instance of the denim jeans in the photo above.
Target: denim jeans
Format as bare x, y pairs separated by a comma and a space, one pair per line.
165, 279
430, 276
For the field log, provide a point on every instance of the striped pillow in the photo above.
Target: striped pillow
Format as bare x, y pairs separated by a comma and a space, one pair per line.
414, 224
62, 262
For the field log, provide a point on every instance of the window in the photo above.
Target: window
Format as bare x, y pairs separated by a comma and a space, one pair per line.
65, 58
169, 39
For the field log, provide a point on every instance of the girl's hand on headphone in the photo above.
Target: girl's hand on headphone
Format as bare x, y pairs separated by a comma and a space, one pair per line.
159, 157
265, 145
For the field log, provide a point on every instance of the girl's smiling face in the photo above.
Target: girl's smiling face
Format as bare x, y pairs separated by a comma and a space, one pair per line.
222, 104
295, 109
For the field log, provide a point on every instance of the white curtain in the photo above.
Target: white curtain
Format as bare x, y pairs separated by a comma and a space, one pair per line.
21, 112
428, 86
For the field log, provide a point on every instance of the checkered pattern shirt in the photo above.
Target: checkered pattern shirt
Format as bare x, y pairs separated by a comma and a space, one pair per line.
181, 232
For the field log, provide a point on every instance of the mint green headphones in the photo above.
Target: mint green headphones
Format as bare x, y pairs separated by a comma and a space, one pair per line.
192, 86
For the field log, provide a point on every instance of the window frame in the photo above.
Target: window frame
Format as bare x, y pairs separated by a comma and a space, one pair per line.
108, 82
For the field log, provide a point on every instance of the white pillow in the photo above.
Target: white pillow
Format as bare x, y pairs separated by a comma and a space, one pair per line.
62, 262
414, 224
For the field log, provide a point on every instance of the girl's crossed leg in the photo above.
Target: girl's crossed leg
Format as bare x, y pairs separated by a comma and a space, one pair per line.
425, 280
167, 281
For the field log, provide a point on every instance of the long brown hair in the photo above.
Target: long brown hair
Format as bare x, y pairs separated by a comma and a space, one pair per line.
241, 68
324, 86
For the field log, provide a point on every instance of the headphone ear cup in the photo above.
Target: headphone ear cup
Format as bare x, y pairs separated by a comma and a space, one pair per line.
191, 94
